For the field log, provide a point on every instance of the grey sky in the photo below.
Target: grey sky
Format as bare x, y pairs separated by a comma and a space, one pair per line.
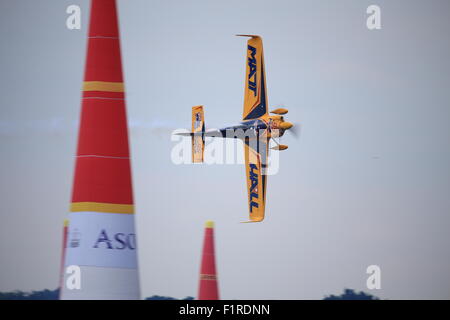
367, 182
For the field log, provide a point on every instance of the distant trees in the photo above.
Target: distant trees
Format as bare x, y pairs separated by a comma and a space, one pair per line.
33, 295
350, 294
155, 297
54, 295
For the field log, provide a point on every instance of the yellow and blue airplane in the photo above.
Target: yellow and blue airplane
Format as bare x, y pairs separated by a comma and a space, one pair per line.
256, 129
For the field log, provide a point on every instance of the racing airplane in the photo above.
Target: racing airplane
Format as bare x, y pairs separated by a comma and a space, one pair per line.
256, 129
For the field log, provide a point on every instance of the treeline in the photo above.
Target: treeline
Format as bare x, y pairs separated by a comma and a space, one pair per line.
33, 295
54, 295
349, 294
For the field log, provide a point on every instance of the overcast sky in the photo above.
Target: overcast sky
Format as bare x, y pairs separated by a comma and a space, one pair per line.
366, 183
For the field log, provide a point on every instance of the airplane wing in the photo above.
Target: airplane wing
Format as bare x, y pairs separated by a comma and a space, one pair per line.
255, 165
255, 96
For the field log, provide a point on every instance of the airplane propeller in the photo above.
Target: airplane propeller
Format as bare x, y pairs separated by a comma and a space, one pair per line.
295, 130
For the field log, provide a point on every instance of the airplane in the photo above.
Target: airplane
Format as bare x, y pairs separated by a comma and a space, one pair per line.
256, 129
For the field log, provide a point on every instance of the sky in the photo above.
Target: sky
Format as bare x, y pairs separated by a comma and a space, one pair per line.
366, 183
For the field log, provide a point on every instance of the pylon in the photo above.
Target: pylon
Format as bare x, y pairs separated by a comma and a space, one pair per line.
208, 288
102, 240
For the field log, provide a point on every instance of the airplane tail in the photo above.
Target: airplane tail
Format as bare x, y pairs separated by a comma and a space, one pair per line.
198, 140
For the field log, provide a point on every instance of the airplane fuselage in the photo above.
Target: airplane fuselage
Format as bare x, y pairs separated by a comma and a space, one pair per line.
268, 127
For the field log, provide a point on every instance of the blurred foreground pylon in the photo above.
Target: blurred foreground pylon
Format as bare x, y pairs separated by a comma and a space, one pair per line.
208, 287
101, 257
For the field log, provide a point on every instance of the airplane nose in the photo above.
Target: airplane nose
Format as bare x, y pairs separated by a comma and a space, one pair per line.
286, 125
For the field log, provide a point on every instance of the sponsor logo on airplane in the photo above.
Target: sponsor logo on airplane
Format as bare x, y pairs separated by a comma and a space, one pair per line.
252, 80
253, 175
198, 119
